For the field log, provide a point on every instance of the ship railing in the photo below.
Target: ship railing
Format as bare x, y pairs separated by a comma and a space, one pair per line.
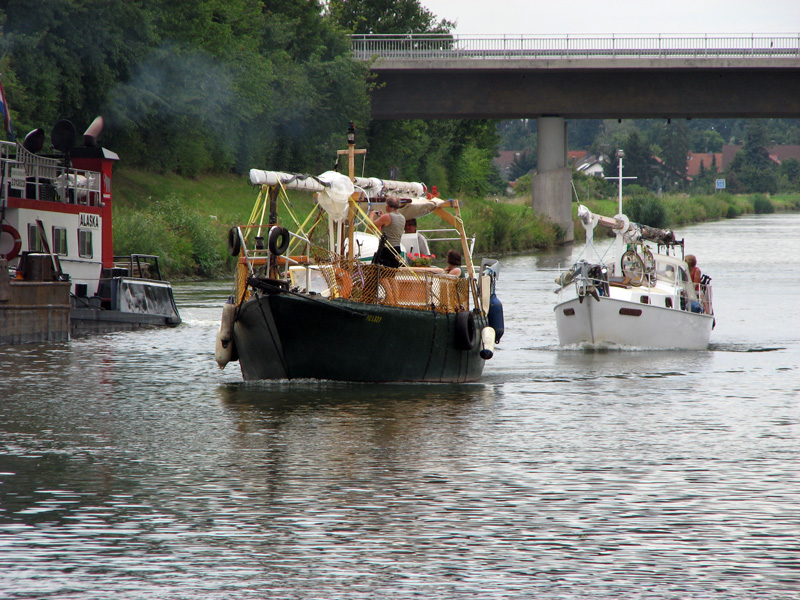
444, 235
36, 177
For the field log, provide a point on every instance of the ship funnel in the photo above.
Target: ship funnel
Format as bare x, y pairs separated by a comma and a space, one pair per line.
93, 132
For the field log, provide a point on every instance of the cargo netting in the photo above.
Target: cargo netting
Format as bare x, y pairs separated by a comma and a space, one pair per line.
421, 288
407, 287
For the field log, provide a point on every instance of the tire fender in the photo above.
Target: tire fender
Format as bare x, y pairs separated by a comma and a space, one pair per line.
466, 331
234, 241
275, 234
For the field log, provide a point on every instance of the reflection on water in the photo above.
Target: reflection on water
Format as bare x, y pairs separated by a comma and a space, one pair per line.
132, 467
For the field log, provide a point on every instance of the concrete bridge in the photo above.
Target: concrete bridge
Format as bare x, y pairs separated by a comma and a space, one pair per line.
555, 78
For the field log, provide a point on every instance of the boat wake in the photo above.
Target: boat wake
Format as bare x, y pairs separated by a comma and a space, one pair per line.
744, 348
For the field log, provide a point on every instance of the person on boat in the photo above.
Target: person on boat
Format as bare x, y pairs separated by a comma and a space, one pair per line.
453, 263
696, 276
694, 273
392, 225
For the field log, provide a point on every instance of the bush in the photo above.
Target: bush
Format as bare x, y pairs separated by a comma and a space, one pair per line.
762, 204
186, 241
504, 227
646, 209
524, 186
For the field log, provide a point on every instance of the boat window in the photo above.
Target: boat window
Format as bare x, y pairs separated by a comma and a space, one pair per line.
644, 299
85, 243
315, 279
60, 240
665, 271
35, 243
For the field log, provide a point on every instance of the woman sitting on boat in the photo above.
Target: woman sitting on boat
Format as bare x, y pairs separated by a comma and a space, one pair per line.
453, 263
392, 225
697, 277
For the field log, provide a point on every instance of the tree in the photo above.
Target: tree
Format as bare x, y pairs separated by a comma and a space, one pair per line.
386, 16
790, 169
674, 142
752, 170
638, 161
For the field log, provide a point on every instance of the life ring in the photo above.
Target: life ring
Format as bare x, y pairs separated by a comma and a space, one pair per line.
234, 241
15, 238
466, 331
274, 234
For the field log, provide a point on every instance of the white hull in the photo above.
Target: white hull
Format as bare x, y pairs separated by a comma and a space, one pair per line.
600, 322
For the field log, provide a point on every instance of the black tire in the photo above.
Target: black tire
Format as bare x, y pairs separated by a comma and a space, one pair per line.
466, 331
234, 242
278, 233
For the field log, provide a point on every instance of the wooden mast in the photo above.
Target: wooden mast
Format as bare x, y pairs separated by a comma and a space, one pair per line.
351, 172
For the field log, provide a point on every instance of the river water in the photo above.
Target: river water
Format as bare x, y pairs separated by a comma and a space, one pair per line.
132, 467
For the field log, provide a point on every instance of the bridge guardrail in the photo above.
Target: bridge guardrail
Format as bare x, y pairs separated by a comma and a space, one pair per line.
446, 46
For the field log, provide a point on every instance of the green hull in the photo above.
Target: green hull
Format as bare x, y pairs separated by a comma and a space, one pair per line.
289, 336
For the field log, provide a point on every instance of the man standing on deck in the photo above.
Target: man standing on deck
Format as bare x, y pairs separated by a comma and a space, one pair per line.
392, 225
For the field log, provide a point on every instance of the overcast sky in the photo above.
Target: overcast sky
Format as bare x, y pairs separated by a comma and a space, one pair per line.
539, 17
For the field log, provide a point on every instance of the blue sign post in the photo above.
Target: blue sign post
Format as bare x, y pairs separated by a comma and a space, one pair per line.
720, 184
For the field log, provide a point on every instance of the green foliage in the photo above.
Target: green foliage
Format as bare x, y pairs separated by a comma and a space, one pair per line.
790, 173
190, 87
588, 187
646, 209
638, 161
507, 227
762, 204
386, 16
673, 139
752, 170
518, 135
455, 156
472, 173
523, 163
186, 241
523, 188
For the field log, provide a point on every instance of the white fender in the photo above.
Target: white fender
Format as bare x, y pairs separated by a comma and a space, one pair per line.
224, 346
487, 342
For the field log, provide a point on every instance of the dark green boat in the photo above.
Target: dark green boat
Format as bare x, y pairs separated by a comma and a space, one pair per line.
310, 304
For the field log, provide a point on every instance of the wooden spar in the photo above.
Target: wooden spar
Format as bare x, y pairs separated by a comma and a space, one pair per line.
374, 187
458, 224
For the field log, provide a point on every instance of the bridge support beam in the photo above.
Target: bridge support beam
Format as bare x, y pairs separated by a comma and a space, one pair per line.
552, 184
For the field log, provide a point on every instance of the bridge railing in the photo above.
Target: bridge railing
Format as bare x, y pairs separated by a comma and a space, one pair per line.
446, 46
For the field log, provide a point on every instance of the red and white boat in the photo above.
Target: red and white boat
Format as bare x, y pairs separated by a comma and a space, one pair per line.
58, 273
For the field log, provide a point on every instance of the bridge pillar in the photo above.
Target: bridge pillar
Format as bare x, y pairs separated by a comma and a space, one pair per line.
552, 184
